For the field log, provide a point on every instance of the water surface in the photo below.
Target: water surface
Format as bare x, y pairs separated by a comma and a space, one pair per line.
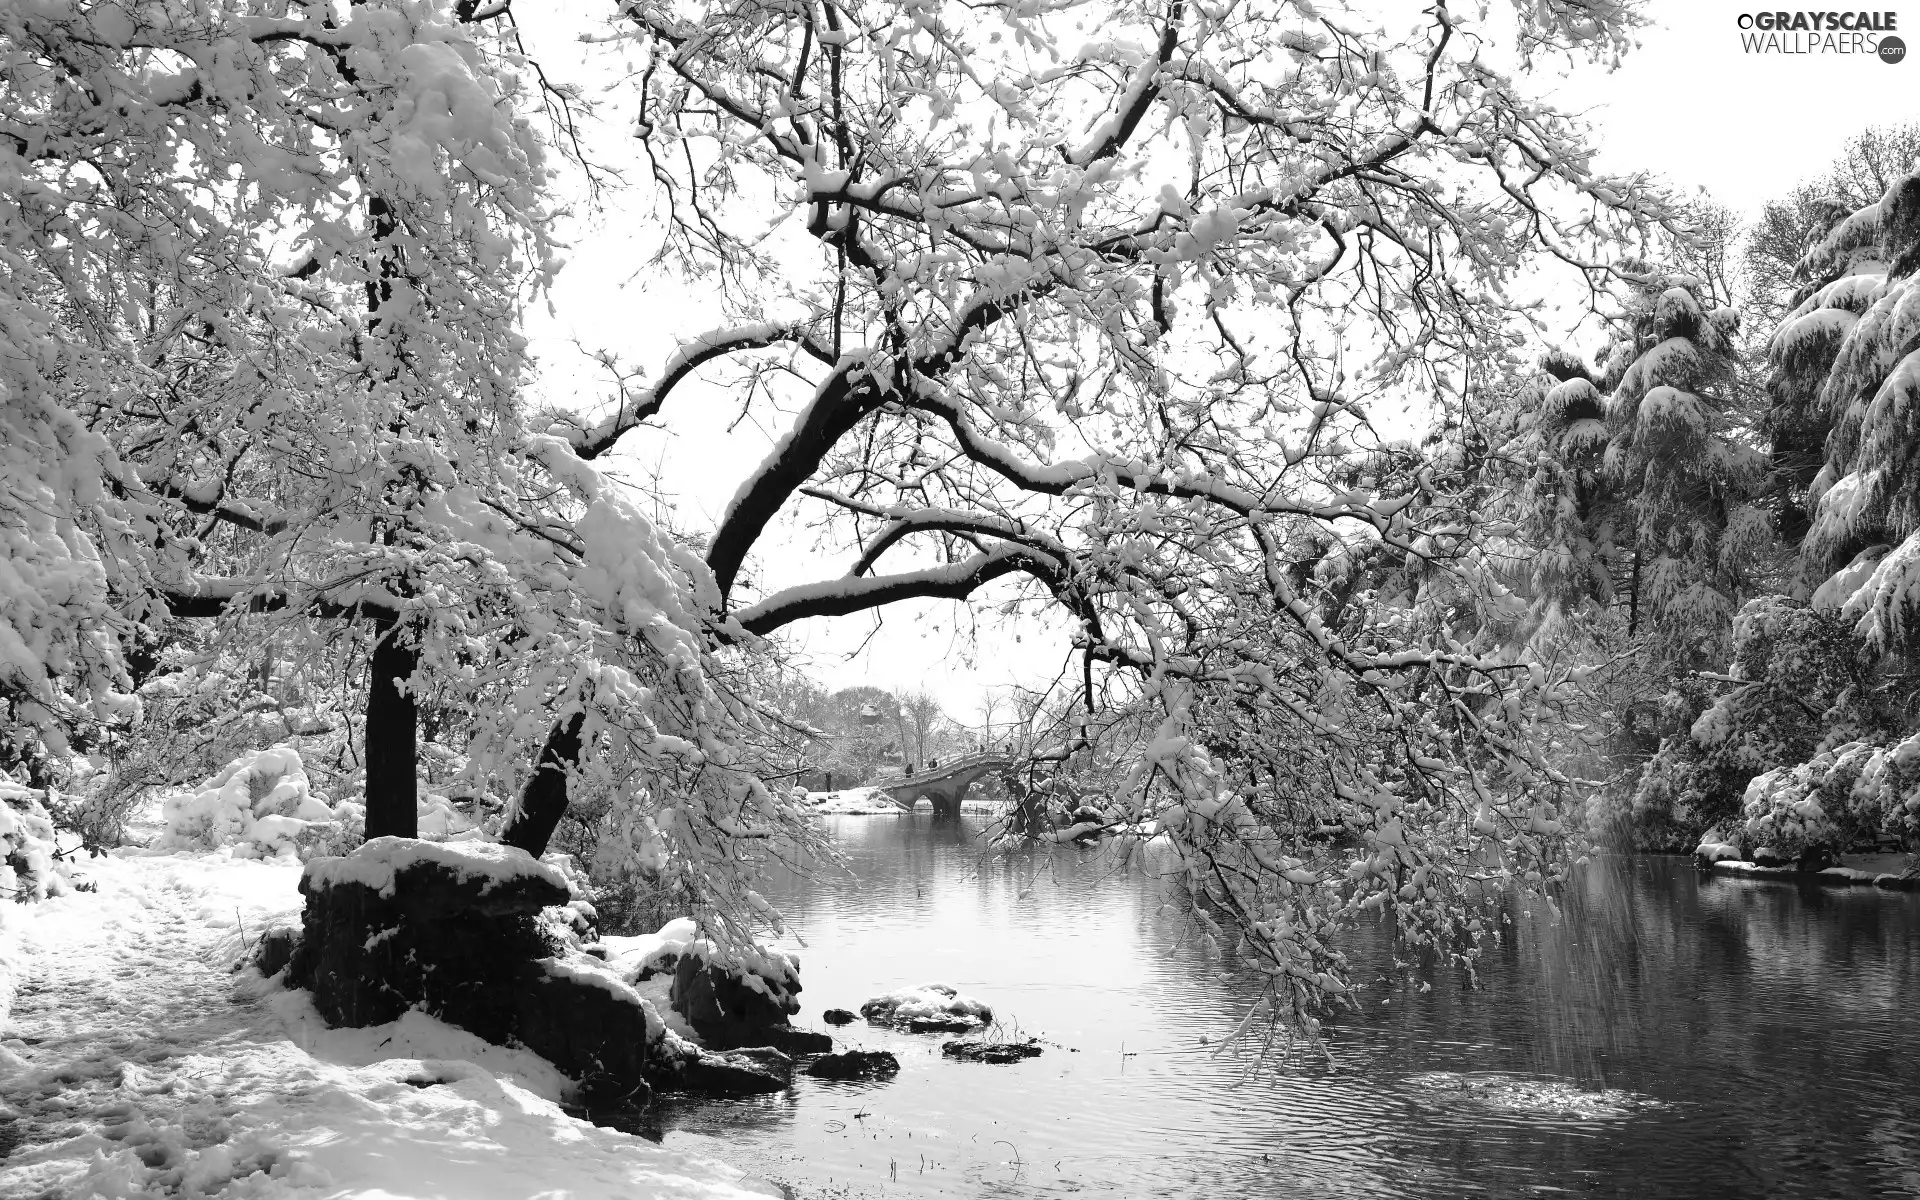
1668, 1036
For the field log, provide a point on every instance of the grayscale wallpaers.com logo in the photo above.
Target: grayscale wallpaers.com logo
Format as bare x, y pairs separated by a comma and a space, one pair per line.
1823, 33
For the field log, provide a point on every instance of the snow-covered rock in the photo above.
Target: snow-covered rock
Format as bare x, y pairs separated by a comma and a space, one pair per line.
929, 1007
488, 867
646, 955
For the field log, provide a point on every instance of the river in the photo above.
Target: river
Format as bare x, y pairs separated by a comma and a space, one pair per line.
1668, 1036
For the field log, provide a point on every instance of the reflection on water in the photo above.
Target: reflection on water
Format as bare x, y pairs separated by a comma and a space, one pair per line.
1667, 1037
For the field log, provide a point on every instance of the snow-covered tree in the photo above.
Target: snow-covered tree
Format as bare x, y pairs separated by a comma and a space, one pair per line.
1102, 319
1684, 475
263, 365
1784, 272
1818, 738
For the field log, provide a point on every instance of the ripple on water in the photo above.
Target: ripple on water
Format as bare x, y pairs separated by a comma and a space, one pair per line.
1523, 1097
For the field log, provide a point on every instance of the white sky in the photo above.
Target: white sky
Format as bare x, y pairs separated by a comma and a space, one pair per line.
1689, 105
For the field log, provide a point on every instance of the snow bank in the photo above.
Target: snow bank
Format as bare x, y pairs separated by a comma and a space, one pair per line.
862, 801
28, 871
260, 805
376, 863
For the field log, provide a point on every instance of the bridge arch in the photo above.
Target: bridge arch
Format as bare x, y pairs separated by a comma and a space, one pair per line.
945, 786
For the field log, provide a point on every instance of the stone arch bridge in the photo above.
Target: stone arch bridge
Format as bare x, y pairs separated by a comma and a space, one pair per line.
945, 784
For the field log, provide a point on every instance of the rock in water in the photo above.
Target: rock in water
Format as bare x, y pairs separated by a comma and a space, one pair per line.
929, 1008
735, 1073
837, 1016
734, 1006
854, 1064
991, 1052
941, 1025
797, 1041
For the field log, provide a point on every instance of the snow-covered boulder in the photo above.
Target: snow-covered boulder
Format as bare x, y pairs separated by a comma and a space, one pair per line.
261, 805
928, 1008
461, 930
743, 998
430, 879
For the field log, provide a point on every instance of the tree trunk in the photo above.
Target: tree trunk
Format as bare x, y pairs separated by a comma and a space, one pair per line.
1633, 597
393, 746
544, 801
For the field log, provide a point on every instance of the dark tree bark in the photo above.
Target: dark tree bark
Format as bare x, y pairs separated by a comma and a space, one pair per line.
392, 739
544, 801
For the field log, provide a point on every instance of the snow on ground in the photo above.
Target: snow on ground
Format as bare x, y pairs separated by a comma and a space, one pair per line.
872, 802
139, 1062
863, 801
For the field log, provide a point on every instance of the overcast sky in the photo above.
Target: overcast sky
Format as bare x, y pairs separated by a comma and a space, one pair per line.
1690, 105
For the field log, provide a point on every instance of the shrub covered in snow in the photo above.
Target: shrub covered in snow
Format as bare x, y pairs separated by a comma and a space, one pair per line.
1802, 686
1836, 800
28, 870
262, 805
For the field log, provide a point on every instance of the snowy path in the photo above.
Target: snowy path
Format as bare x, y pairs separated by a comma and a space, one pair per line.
137, 1062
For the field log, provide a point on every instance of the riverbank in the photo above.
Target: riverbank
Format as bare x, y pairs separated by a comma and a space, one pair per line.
143, 1057
1883, 871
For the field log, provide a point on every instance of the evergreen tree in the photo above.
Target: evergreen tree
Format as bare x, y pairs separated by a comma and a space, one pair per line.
1815, 729
1807, 289
1683, 474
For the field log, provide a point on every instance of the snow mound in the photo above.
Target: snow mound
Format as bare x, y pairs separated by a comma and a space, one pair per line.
1710, 852
928, 1003
376, 864
260, 805
638, 958
27, 867
439, 820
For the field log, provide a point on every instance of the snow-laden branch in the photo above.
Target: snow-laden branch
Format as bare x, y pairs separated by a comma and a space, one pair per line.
838, 597
591, 441
903, 521
208, 598
1112, 134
